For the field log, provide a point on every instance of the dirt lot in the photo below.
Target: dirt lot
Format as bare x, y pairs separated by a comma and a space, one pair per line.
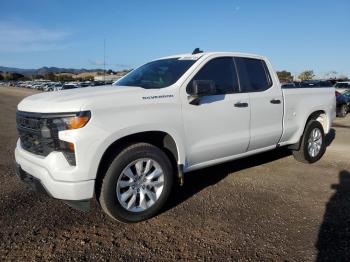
266, 207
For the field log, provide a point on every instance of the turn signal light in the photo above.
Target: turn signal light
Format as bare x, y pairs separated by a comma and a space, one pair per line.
78, 121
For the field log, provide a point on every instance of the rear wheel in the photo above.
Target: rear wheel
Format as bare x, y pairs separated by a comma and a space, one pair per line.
312, 145
137, 183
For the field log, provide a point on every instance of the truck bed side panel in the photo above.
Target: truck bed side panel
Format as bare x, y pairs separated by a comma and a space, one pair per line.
299, 104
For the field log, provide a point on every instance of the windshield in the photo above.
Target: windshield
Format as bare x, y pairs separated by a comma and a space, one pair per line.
157, 74
341, 85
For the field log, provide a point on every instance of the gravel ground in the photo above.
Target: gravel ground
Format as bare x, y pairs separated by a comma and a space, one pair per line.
265, 207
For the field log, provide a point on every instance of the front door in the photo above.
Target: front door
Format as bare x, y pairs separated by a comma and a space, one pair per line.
219, 126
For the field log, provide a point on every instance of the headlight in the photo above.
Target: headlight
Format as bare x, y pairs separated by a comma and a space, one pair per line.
69, 121
74, 121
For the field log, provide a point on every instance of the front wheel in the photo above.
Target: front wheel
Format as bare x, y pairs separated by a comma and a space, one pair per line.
312, 145
137, 183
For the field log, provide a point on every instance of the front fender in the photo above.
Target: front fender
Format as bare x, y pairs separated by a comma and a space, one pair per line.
109, 140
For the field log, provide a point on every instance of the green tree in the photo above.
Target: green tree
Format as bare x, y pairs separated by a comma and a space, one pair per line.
50, 76
38, 77
306, 75
1, 76
343, 78
88, 78
285, 76
331, 75
64, 77
13, 76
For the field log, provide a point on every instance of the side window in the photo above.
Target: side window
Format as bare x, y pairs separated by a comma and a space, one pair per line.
222, 71
253, 74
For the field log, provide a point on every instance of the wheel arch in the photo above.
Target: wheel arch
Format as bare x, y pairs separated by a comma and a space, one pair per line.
161, 139
321, 117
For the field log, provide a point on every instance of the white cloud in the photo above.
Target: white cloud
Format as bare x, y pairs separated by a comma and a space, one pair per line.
20, 37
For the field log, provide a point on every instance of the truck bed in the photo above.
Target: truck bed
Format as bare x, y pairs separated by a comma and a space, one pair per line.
300, 103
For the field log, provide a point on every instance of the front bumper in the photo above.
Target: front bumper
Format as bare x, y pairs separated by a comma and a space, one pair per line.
51, 171
36, 185
32, 182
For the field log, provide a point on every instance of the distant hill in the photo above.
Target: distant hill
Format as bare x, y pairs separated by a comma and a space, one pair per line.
45, 70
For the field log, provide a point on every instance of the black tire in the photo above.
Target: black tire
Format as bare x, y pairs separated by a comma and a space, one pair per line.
303, 155
343, 111
107, 196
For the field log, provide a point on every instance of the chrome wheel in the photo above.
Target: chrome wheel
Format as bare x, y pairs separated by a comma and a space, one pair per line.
315, 142
140, 185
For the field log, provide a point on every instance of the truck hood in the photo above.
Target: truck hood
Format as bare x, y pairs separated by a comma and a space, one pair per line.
78, 99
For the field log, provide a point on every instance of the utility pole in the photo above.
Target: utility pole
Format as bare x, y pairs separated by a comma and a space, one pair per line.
104, 60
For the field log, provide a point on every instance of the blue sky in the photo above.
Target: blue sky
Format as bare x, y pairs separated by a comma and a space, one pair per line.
295, 35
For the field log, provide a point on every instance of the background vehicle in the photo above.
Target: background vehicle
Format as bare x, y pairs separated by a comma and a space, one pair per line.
342, 86
291, 84
69, 86
288, 85
316, 83
130, 141
343, 103
86, 84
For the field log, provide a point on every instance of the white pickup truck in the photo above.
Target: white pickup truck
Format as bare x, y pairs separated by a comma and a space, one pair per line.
129, 142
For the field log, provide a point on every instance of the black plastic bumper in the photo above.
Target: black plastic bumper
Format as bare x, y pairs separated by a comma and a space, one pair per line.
32, 182
35, 184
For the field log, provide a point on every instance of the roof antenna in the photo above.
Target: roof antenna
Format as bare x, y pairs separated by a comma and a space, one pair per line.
197, 51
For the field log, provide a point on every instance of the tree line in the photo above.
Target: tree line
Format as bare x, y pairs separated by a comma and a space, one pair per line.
9, 76
12, 76
286, 76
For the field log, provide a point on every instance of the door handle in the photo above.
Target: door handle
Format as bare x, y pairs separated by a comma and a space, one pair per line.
275, 101
240, 104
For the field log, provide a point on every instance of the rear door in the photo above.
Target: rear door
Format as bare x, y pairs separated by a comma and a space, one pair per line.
219, 126
266, 102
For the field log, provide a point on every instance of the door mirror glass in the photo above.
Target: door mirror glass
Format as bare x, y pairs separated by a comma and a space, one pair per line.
201, 88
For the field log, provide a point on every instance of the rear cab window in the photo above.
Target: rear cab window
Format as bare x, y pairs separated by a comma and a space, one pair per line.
253, 74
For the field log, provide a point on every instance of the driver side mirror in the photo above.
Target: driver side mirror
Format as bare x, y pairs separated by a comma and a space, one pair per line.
200, 88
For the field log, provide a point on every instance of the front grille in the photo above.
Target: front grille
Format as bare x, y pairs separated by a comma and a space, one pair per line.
28, 122
35, 135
